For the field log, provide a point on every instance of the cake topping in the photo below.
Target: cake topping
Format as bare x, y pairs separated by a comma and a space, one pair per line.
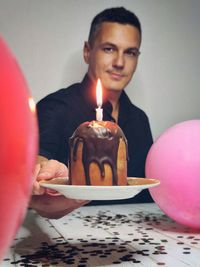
100, 145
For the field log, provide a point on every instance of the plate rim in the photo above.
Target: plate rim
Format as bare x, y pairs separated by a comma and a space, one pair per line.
95, 192
156, 182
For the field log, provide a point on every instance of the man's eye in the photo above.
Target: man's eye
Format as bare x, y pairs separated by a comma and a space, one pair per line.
133, 52
108, 49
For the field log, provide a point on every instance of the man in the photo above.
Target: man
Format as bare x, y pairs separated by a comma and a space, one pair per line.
111, 52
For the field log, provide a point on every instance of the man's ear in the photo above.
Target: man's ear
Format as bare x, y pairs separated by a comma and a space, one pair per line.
86, 52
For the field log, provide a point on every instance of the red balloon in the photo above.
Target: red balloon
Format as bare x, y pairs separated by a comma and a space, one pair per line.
18, 146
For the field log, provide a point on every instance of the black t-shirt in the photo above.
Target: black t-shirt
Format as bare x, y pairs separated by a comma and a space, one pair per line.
60, 113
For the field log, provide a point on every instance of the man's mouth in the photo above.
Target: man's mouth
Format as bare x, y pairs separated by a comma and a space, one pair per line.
115, 75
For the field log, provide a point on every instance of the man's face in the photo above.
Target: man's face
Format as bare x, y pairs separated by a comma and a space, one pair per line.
113, 55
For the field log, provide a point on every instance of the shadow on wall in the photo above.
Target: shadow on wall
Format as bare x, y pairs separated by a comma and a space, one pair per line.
75, 69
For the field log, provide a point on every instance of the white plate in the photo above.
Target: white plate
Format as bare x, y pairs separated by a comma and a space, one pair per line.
135, 185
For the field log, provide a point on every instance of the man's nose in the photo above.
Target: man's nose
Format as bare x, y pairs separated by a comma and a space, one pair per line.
118, 61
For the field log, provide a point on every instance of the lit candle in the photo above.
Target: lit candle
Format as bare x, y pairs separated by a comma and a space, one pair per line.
99, 110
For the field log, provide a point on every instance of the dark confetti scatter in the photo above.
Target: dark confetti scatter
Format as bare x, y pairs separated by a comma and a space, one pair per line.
6, 259
136, 261
80, 251
121, 250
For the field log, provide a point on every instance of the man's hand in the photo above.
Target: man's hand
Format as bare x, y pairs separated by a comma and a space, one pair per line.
46, 170
48, 205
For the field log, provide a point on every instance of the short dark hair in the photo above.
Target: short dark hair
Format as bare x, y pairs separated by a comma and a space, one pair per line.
116, 14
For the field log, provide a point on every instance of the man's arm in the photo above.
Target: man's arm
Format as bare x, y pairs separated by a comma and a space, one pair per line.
46, 205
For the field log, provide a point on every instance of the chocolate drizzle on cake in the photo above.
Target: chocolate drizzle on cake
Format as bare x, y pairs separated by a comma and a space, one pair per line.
100, 145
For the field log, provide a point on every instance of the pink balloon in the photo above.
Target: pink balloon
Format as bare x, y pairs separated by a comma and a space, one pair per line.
18, 146
174, 159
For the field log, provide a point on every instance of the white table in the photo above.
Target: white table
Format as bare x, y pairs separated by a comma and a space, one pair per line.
123, 235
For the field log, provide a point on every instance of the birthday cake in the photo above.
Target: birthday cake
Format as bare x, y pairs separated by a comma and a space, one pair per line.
98, 154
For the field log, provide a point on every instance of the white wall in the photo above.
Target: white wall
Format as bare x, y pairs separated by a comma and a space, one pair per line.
47, 37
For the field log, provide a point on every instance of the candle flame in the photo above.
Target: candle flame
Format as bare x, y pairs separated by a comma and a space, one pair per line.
99, 93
